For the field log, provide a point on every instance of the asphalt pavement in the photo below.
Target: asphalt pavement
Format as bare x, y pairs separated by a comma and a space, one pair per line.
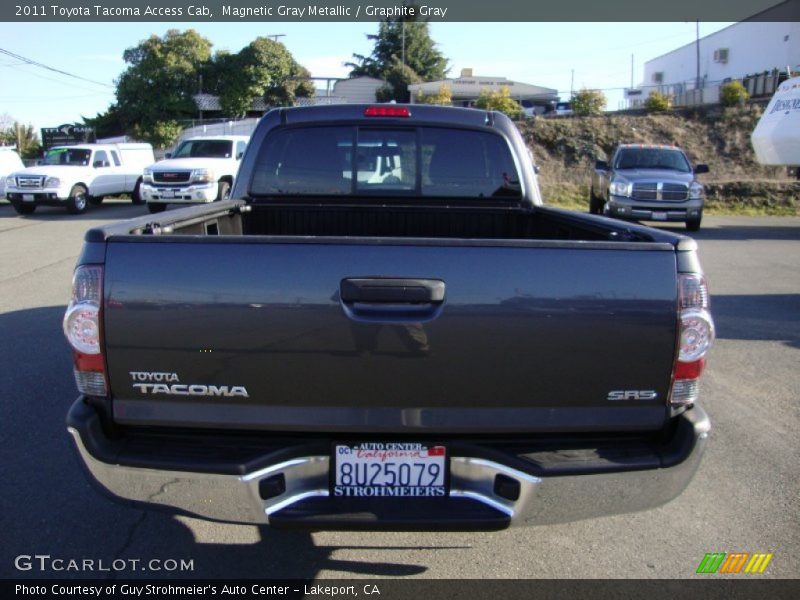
745, 497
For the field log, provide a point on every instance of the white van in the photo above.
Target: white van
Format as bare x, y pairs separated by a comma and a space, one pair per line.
9, 162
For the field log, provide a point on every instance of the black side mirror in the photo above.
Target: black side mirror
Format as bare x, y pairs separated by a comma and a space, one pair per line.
601, 165
698, 169
99, 163
168, 155
239, 155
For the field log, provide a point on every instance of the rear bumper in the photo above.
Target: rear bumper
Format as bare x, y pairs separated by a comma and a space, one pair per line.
287, 484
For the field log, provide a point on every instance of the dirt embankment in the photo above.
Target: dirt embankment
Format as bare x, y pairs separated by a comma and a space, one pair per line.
565, 149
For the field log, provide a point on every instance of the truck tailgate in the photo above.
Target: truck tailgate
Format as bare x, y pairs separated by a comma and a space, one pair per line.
256, 334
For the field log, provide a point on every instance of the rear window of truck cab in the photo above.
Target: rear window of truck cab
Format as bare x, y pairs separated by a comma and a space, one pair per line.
434, 162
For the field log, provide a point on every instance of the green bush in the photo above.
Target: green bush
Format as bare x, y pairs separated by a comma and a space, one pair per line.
733, 94
500, 100
658, 102
588, 102
443, 97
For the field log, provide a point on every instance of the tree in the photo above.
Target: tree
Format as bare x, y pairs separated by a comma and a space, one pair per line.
403, 52
733, 93
443, 97
159, 84
24, 137
398, 77
657, 102
264, 68
588, 102
156, 91
500, 100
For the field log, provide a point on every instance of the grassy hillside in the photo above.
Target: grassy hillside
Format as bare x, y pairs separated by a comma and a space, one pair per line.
565, 149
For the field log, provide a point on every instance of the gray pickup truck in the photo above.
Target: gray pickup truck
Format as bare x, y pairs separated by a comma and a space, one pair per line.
650, 183
386, 329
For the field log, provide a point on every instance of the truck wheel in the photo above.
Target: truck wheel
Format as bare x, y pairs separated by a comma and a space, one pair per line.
693, 224
224, 191
156, 207
136, 195
77, 200
24, 209
595, 204
95, 200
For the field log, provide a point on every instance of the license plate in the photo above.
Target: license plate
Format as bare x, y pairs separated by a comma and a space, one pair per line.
659, 216
167, 194
389, 469
28, 197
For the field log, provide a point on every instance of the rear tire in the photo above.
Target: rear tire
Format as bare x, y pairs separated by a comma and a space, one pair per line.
95, 200
694, 224
24, 209
224, 190
136, 195
156, 207
78, 200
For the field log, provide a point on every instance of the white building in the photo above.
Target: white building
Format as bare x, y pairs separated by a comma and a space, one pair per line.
742, 49
357, 90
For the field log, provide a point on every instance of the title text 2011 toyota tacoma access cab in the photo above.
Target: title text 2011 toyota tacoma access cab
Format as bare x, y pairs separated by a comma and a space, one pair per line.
386, 329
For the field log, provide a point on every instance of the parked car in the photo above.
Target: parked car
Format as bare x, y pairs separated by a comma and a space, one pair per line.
9, 162
426, 347
563, 108
201, 169
75, 176
648, 182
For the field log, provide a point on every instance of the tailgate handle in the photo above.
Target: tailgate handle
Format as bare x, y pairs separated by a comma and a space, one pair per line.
392, 291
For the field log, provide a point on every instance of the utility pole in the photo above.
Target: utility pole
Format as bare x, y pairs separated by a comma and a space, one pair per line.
275, 36
403, 44
200, 91
631, 71
697, 37
572, 83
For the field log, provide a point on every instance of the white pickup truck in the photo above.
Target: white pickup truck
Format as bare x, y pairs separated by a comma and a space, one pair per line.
75, 176
200, 170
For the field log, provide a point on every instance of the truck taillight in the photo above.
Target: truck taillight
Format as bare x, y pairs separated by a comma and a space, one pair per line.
83, 329
387, 111
696, 335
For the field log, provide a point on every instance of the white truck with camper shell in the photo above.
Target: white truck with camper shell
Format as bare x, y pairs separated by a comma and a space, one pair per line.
200, 170
76, 176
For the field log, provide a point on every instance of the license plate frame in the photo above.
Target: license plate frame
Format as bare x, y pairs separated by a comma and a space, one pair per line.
403, 452
29, 197
167, 193
659, 216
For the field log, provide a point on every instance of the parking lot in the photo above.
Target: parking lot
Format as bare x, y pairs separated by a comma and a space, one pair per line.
745, 497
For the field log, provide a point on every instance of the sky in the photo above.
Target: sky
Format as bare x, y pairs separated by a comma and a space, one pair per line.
562, 56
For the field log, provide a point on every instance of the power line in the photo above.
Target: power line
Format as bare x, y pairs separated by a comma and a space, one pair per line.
49, 68
53, 79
